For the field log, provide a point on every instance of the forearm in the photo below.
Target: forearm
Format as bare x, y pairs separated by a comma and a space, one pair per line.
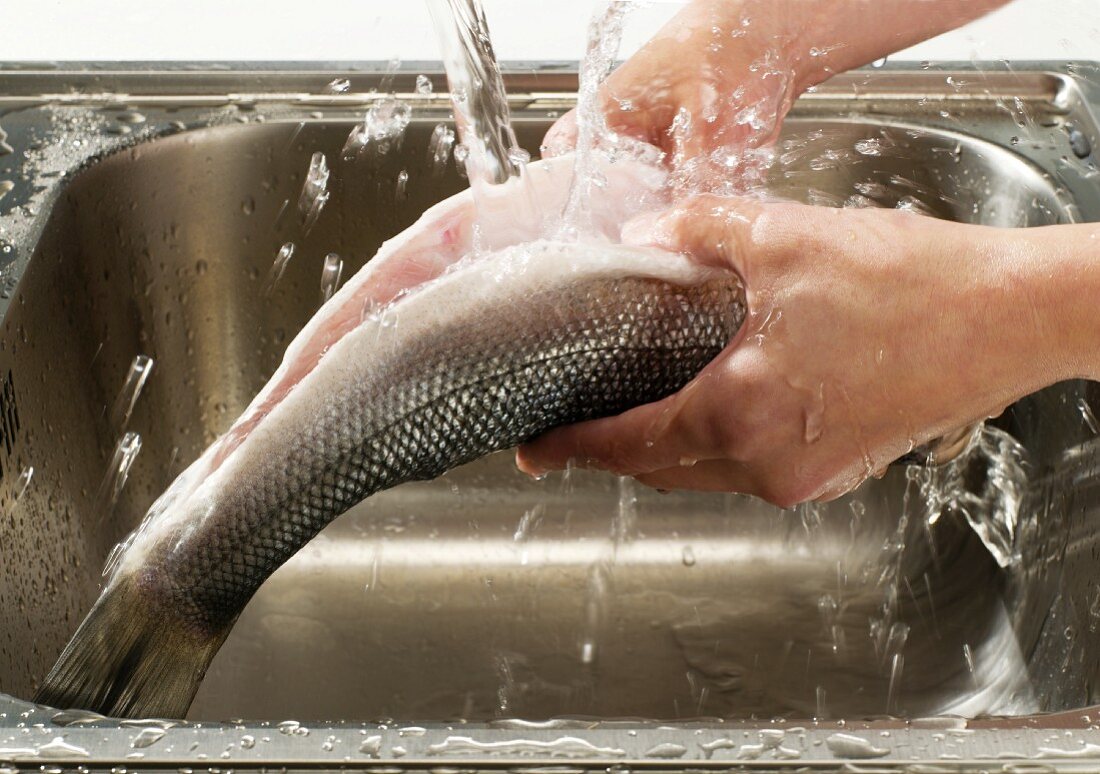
1052, 277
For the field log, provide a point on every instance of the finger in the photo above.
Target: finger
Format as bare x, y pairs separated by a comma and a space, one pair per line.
677, 430
706, 476
628, 444
561, 138
716, 230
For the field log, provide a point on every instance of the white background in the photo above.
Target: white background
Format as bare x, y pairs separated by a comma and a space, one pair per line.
297, 30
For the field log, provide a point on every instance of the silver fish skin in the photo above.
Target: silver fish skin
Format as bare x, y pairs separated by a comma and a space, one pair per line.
488, 355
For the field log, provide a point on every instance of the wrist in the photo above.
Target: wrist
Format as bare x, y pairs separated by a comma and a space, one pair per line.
1052, 278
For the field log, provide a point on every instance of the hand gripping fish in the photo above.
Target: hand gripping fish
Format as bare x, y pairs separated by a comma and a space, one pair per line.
425, 360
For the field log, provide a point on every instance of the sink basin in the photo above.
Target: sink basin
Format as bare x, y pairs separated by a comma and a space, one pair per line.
485, 595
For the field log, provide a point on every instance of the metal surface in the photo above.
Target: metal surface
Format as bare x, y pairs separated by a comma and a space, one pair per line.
485, 595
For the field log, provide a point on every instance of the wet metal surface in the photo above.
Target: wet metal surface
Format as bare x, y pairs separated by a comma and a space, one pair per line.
485, 595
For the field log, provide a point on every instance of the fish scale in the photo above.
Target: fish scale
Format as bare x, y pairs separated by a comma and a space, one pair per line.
480, 361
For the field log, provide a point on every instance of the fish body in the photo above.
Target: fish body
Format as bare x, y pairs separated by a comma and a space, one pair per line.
480, 357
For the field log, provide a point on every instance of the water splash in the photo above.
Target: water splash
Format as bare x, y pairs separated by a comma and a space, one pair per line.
118, 471
1088, 416
624, 524
986, 485
330, 275
282, 259
529, 522
382, 131
595, 609
315, 193
477, 89
140, 369
605, 34
20, 488
439, 148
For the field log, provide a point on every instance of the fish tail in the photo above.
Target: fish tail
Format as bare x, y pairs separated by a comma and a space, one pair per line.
131, 657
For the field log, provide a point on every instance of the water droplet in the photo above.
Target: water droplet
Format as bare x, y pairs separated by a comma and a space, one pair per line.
382, 130
314, 192
371, 746
439, 148
118, 470
330, 276
140, 369
1079, 143
147, 737
282, 258
20, 488
879, 63
423, 85
59, 748
1088, 416
687, 556
337, 86
666, 750
400, 194
851, 746
896, 665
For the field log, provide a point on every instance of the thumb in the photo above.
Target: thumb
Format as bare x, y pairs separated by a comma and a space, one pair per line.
715, 230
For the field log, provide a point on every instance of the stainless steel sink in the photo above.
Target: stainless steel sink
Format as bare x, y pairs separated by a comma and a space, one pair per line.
146, 211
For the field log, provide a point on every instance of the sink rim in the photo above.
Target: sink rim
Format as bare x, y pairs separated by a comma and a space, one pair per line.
294, 749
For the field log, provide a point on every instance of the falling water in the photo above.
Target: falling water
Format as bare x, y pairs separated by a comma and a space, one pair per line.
986, 485
315, 193
118, 470
382, 131
330, 275
491, 154
477, 89
604, 38
439, 148
140, 369
21, 485
282, 258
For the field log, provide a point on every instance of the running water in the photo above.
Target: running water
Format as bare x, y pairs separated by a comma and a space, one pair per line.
490, 153
605, 34
477, 91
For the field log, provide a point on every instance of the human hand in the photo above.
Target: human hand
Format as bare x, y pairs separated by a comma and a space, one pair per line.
712, 87
868, 332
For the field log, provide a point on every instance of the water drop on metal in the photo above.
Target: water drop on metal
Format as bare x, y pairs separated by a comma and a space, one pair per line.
337, 86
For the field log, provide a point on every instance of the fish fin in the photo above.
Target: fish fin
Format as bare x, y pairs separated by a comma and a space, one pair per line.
130, 658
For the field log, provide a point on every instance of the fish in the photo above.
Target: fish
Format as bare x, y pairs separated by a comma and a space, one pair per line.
438, 352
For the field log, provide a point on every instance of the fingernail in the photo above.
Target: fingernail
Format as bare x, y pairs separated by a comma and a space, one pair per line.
529, 466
